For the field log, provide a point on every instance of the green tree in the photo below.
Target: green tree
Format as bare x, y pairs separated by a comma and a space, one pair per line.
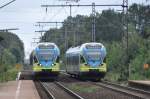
11, 52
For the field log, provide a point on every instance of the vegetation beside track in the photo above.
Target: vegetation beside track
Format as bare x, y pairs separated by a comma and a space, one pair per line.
109, 31
81, 88
11, 53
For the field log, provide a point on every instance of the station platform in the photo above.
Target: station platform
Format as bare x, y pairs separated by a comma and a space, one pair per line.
141, 84
25, 75
21, 89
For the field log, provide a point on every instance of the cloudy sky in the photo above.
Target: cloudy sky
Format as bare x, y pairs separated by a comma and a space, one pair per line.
24, 14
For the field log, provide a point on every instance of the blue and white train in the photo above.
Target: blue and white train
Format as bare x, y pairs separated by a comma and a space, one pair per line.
87, 60
45, 60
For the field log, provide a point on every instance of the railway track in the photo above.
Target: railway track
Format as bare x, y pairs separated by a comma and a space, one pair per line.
132, 93
56, 90
104, 90
143, 85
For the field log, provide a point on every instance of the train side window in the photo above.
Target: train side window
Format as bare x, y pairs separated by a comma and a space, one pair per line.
35, 59
82, 59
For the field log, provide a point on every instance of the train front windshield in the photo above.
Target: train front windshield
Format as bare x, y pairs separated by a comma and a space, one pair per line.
46, 56
92, 52
95, 56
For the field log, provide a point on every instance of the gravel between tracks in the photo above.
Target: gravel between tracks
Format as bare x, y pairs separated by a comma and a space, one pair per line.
57, 92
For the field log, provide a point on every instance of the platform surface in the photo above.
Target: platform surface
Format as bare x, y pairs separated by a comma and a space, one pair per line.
143, 82
22, 89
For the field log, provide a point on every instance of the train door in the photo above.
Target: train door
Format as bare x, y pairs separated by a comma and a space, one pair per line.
76, 62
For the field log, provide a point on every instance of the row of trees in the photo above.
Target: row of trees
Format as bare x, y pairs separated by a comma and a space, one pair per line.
109, 31
11, 53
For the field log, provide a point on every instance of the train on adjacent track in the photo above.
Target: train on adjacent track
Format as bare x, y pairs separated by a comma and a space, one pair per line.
45, 61
87, 61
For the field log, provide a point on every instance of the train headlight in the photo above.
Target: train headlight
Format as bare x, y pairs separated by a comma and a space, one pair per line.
53, 64
39, 64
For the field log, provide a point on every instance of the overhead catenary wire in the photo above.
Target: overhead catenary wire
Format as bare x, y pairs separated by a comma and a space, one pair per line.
85, 5
7, 4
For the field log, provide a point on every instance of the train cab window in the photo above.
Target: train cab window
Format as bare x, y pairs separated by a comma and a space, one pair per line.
82, 59
104, 60
35, 59
57, 60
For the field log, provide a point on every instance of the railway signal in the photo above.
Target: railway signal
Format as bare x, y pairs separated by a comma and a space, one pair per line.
146, 66
18, 66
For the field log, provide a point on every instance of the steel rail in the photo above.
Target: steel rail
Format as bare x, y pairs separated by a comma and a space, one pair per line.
133, 92
119, 86
124, 90
127, 88
68, 91
49, 94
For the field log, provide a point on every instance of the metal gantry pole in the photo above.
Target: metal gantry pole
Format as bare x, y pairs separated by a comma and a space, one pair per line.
129, 70
93, 22
126, 33
125, 21
70, 10
66, 38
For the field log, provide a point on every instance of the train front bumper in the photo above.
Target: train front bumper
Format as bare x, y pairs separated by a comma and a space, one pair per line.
55, 68
102, 68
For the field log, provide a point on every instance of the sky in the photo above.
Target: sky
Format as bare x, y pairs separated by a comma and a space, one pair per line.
24, 14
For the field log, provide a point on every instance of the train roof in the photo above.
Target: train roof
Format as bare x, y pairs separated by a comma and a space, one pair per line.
45, 43
78, 49
92, 43
74, 50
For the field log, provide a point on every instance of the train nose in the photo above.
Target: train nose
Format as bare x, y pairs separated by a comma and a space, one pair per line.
46, 63
94, 63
